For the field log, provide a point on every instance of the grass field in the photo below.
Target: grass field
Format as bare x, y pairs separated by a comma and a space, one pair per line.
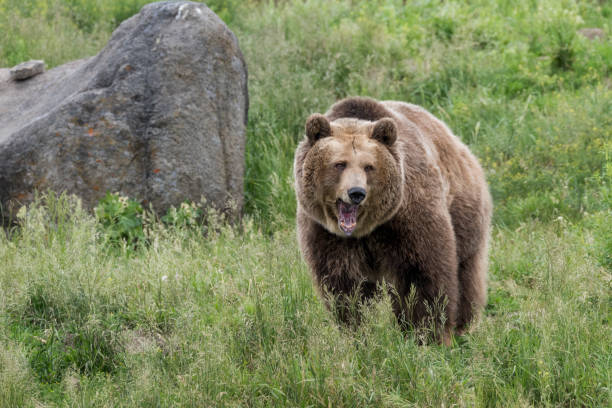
218, 315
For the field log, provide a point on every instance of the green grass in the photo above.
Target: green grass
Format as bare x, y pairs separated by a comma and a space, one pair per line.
230, 318
218, 315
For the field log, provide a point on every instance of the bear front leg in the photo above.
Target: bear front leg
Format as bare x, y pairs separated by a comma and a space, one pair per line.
427, 284
337, 266
343, 296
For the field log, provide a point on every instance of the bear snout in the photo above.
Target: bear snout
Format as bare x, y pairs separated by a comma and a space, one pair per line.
356, 194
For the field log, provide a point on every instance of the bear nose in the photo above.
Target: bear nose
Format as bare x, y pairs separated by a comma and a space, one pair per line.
356, 194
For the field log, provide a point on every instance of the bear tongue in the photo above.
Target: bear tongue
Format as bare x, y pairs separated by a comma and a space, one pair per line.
347, 217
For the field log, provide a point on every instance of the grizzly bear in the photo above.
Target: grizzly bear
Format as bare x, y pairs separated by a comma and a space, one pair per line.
387, 193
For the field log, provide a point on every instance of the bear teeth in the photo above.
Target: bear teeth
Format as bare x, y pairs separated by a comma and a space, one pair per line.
347, 217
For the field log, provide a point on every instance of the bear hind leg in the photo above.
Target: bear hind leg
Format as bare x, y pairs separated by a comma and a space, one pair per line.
473, 288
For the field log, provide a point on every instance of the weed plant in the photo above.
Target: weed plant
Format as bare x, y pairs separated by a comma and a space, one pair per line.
120, 308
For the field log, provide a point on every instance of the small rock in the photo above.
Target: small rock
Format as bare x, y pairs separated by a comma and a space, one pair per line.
592, 33
27, 69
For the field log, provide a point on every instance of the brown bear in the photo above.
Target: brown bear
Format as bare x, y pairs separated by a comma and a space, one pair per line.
387, 193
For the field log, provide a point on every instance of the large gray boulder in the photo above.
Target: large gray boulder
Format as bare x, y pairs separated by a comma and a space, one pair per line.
158, 115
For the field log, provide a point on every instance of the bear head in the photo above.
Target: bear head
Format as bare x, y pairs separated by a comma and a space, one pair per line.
349, 175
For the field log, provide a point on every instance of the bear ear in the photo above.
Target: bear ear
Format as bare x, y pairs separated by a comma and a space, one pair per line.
317, 127
385, 131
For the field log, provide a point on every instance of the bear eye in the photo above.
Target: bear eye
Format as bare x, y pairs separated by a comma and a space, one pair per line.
340, 165
368, 168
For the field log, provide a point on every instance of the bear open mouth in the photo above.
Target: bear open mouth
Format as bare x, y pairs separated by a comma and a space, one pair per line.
347, 217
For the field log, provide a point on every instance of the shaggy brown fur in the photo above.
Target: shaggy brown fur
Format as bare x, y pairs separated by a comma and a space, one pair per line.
422, 227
